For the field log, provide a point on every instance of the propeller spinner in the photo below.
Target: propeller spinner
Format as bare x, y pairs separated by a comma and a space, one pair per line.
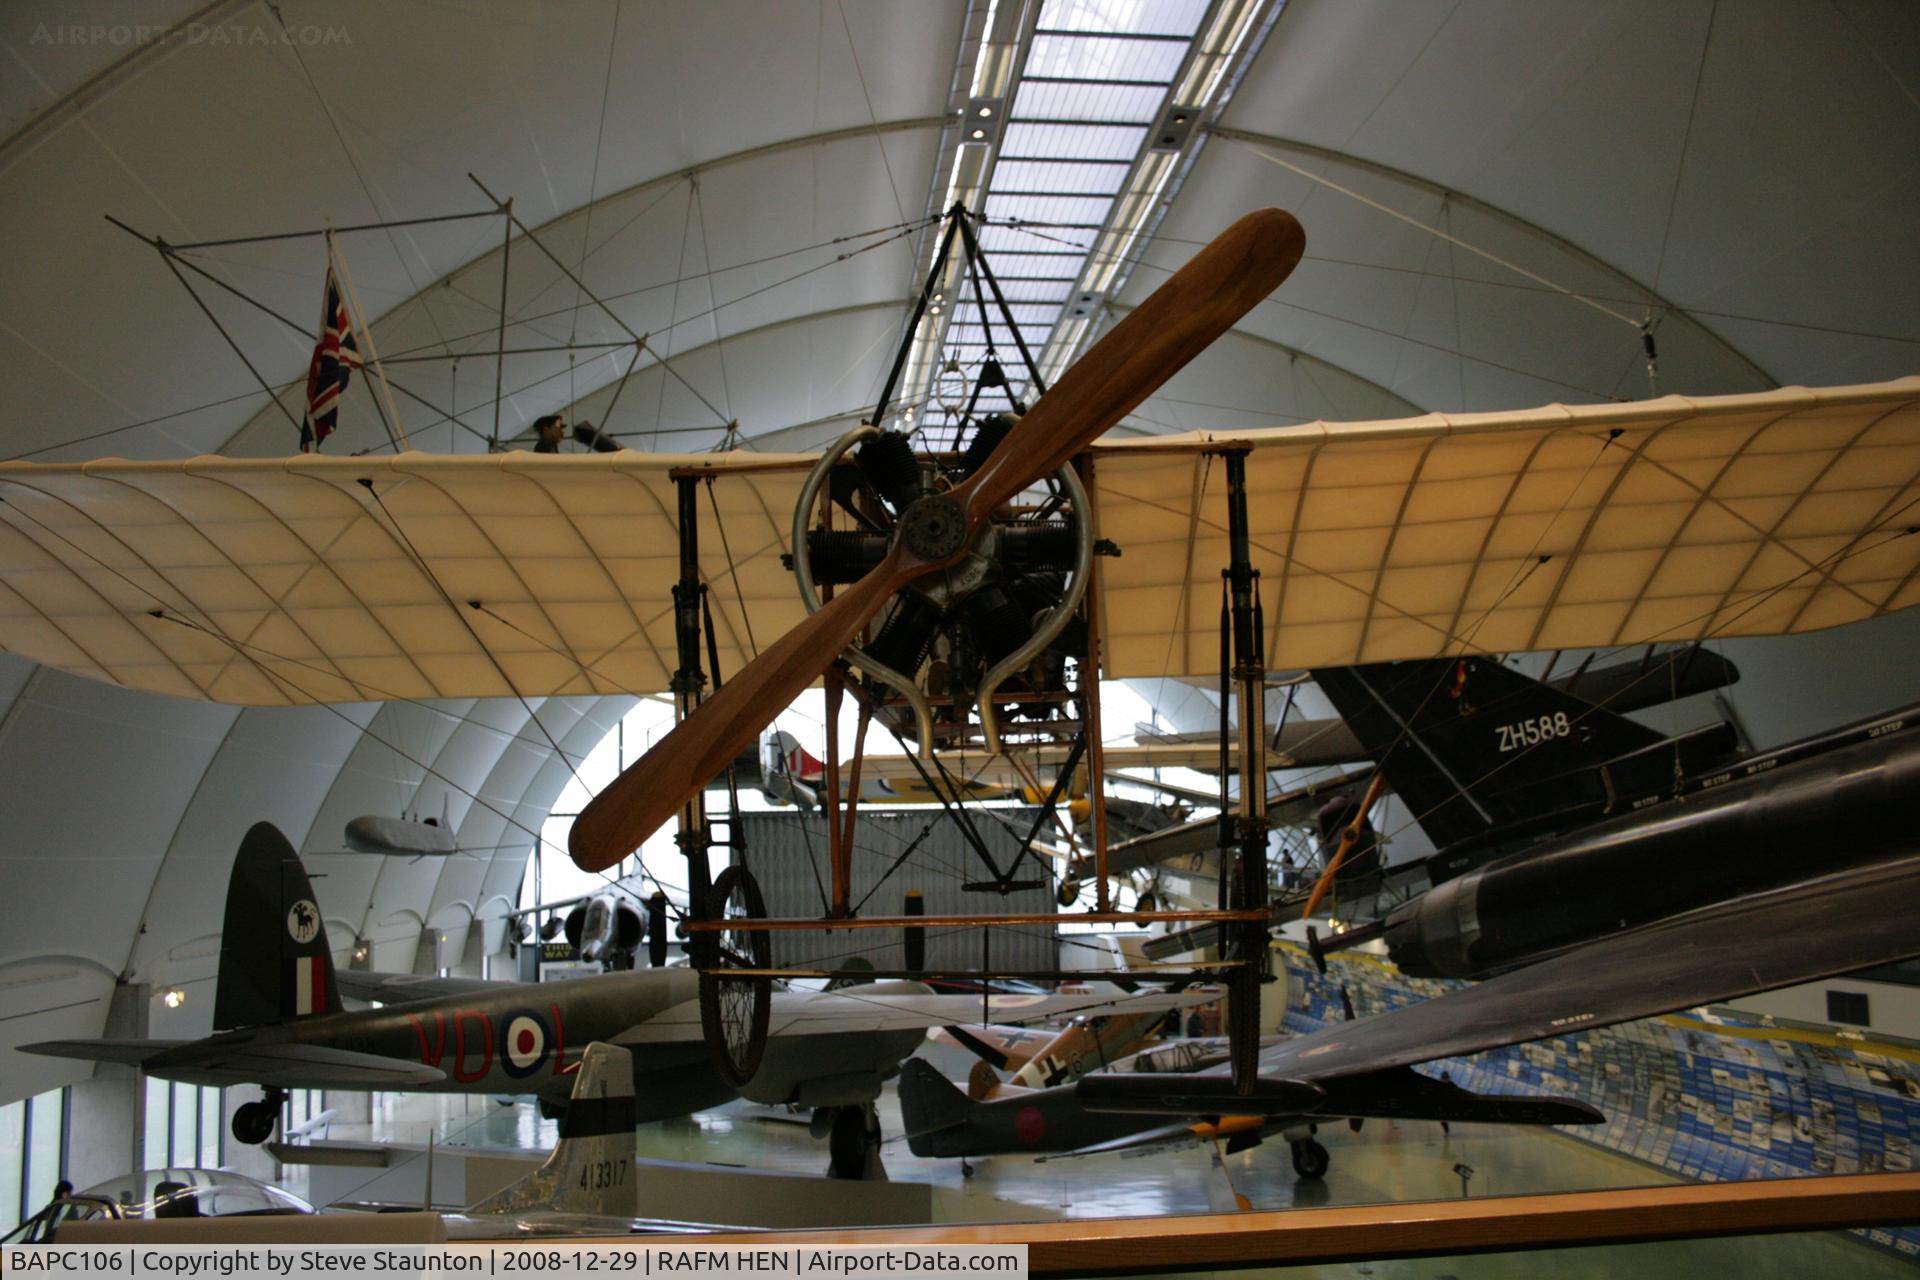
1180, 319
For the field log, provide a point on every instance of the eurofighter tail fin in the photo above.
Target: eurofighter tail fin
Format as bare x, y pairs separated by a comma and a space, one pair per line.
1472, 746
274, 960
591, 1168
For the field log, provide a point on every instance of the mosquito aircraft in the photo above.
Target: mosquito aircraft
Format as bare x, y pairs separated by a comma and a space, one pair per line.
280, 1022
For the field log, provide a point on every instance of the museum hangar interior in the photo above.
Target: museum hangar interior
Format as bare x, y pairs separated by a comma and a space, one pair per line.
709, 227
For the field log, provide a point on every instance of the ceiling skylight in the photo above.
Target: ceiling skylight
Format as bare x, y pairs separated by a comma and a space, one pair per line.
1067, 181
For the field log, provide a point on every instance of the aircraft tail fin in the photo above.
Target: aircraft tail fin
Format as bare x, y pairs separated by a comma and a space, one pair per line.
929, 1102
1467, 742
591, 1169
275, 963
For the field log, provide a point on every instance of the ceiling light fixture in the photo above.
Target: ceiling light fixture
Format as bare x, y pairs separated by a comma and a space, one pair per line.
173, 997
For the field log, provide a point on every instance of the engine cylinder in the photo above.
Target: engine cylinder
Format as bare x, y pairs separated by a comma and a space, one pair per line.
999, 625
843, 555
986, 438
889, 465
903, 642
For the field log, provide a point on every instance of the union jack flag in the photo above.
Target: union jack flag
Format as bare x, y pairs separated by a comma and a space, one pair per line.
335, 357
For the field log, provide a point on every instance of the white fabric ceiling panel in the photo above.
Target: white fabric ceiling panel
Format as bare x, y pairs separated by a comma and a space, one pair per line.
375, 777
274, 766
1747, 159
97, 781
752, 247
497, 730
222, 139
1442, 327
1244, 383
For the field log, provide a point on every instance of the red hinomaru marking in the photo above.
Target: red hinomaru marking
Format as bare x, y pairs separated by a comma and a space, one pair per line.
1029, 1125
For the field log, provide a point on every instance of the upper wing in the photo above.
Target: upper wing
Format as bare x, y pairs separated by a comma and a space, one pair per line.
810, 1013
1794, 934
1334, 496
399, 988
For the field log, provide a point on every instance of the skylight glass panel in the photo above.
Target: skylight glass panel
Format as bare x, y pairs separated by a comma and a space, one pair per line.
1135, 17
1104, 58
1076, 211
1072, 244
1018, 291
1072, 141
1059, 179
1016, 265
1083, 100
1029, 316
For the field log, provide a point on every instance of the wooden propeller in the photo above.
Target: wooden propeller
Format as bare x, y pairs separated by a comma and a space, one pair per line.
1183, 316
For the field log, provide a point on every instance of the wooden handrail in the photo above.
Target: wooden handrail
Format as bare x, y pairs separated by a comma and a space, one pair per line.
1482, 1224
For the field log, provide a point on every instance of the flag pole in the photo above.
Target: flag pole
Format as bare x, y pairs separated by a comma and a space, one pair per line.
390, 415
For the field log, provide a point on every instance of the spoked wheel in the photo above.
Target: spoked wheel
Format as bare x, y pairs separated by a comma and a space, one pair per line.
734, 1011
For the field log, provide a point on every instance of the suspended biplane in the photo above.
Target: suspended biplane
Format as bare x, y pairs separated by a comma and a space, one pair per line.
315, 579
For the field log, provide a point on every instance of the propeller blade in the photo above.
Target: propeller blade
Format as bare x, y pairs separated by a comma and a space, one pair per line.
652, 789
1198, 303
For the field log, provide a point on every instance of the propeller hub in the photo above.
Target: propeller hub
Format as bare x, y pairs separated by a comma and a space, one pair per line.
934, 527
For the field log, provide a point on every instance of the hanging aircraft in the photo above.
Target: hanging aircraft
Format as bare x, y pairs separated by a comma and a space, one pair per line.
280, 1023
1798, 932
1558, 822
1674, 519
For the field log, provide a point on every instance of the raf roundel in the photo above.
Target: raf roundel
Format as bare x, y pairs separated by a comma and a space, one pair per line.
303, 921
524, 1037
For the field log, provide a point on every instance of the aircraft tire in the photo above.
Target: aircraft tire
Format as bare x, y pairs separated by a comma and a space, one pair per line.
1310, 1159
847, 1144
253, 1122
735, 1012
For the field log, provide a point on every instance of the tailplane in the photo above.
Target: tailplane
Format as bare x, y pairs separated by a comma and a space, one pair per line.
591, 1168
1468, 743
929, 1102
275, 963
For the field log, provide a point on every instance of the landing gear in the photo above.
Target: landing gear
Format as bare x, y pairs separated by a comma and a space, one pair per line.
253, 1122
966, 1170
1310, 1159
734, 1012
854, 1143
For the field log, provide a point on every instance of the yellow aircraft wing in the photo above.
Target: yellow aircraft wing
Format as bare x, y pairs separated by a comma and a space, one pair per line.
319, 579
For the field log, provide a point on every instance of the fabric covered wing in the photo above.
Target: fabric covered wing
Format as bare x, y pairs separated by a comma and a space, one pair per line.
1672, 519
808, 1013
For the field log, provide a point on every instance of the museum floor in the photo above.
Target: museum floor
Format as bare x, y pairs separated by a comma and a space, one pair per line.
1409, 1161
